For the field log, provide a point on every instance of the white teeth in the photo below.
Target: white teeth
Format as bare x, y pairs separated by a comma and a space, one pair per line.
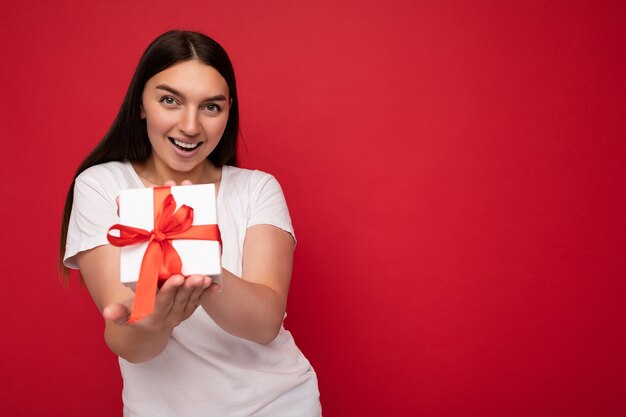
185, 144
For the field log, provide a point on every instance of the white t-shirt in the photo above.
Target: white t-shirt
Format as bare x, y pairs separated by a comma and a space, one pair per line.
204, 371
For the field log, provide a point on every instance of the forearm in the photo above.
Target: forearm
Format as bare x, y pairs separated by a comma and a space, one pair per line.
135, 344
245, 309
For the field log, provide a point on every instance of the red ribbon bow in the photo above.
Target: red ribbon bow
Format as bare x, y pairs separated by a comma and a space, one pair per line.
160, 260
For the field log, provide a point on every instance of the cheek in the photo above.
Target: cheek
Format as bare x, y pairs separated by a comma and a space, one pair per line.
157, 123
222, 126
214, 128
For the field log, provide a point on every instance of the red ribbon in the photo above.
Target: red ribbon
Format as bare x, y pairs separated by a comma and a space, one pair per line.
161, 260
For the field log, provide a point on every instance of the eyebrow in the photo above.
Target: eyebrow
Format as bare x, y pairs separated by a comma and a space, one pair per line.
165, 87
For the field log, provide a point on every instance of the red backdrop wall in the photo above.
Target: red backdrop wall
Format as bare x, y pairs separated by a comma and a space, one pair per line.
455, 173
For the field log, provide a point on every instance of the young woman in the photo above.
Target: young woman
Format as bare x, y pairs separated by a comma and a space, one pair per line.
207, 349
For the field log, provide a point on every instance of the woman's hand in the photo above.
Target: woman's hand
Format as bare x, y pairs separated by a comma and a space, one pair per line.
175, 302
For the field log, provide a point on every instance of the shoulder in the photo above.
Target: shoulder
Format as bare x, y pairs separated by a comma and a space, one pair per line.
108, 170
255, 187
248, 182
256, 195
113, 176
251, 185
248, 177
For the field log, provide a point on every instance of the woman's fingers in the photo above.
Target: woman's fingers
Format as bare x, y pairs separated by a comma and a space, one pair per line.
176, 300
197, 296
166, 296
187, 297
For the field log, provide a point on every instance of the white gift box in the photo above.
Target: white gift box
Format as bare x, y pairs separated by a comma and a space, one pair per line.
136, 208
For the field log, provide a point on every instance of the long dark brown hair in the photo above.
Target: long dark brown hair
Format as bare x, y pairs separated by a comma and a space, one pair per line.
127, 138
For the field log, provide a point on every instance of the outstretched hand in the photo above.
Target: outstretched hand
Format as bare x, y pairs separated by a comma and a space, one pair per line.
176, 301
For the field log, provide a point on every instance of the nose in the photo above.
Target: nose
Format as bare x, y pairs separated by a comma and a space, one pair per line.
189, 124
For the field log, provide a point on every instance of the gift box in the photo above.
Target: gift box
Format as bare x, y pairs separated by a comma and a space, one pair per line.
165, 231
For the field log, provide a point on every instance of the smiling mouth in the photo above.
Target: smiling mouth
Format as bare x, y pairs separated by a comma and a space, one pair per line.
184, 146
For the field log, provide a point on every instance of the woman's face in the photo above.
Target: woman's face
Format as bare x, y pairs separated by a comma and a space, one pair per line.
186, 108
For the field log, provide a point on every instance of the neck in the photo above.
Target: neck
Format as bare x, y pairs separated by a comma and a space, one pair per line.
154, 173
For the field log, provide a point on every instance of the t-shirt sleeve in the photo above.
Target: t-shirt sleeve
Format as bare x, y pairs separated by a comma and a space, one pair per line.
268, 205
94, 210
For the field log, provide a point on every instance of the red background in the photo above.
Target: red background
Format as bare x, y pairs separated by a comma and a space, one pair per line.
455, 173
